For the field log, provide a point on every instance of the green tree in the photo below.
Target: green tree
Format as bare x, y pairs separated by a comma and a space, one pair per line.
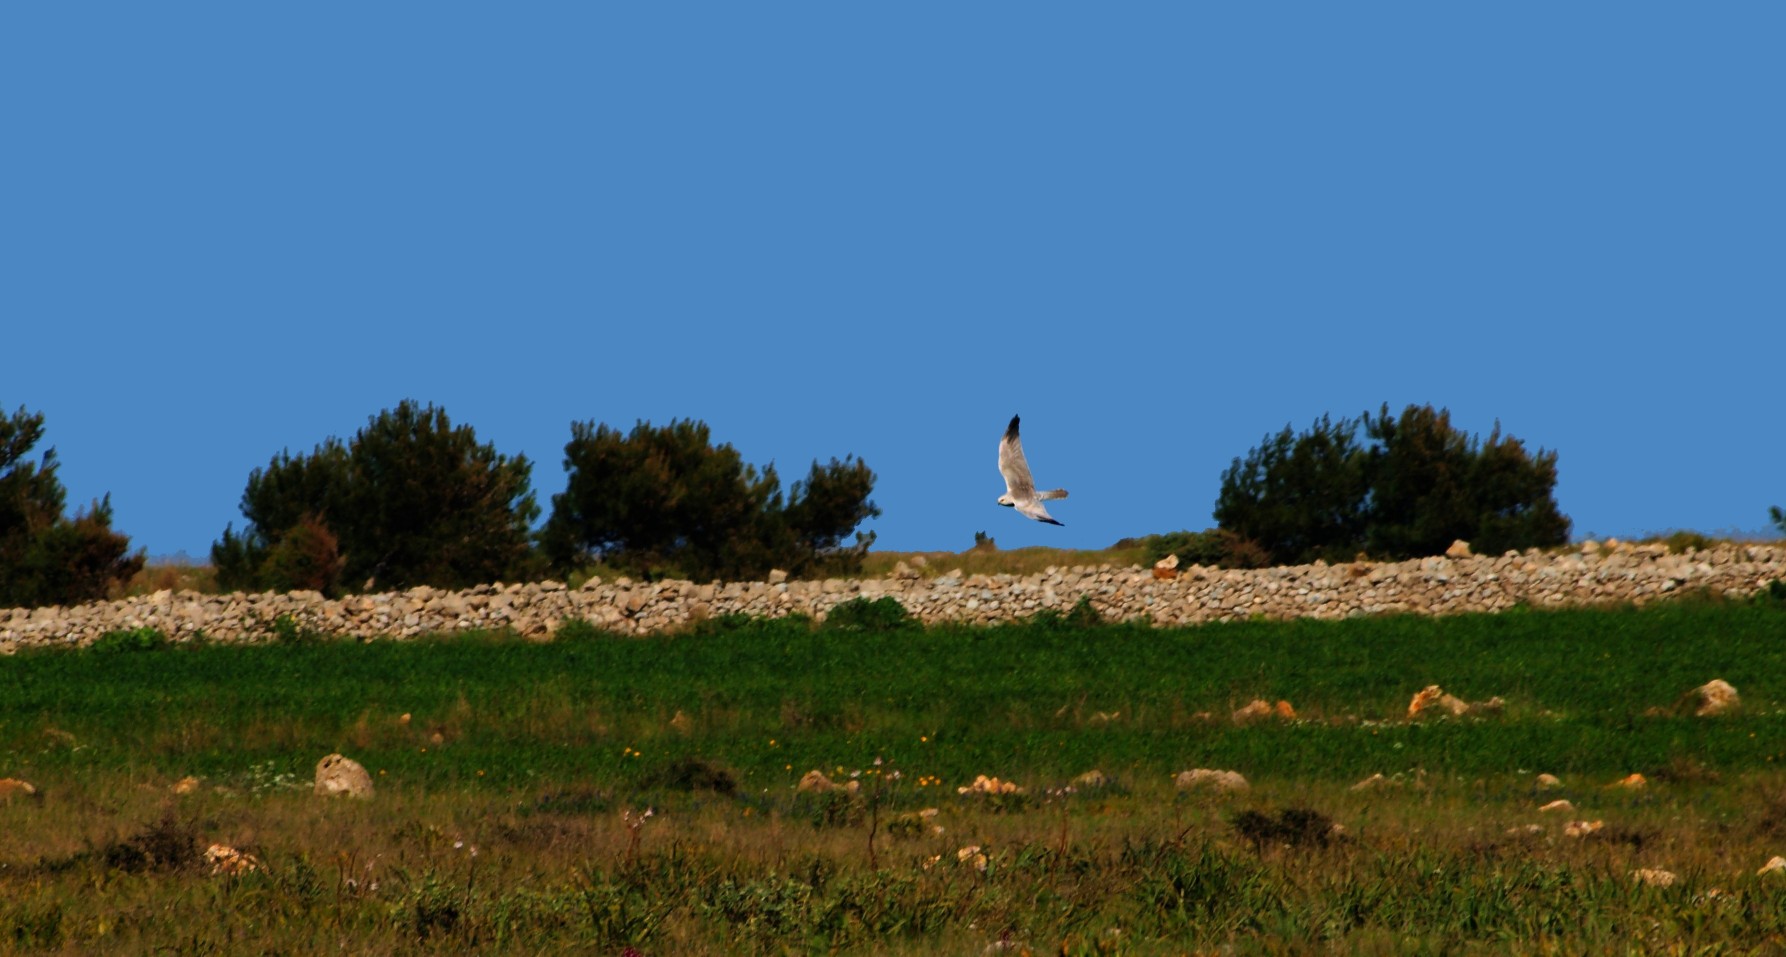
1299, 497
1412, 487
1431, 485
666, 501
411, 500
1779, 516
47, 558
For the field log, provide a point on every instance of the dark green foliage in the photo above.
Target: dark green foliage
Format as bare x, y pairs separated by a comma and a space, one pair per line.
1083, 615
576, 629
166, 845
860, 614
286, 630
1214, 547
47, 558
666, 501
411, 500
1294, 826
1779, 516
130, 639
694, 774
1411, 488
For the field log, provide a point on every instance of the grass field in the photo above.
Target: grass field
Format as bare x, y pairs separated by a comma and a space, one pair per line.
541, 756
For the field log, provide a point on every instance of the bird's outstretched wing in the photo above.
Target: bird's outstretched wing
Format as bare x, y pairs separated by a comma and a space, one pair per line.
1012, 465
1052, 493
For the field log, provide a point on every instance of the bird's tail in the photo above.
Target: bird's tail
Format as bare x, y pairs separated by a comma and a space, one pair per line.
1052, 494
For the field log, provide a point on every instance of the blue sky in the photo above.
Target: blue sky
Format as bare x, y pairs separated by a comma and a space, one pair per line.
1158, 231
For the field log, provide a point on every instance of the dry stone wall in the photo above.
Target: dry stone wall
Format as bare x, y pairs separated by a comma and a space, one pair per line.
1592, 574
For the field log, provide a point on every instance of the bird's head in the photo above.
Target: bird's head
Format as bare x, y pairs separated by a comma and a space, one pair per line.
1006, 501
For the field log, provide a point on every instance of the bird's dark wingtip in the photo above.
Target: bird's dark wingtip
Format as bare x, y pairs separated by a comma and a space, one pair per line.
1011, 430
1053, 522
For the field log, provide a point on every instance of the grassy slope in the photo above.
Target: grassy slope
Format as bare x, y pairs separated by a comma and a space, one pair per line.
947, 701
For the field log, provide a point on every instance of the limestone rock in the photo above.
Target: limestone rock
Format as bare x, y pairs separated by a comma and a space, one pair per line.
1774, 865
1715, 697
186, 785
14, 788
1375, 782
1582, 829
1209, 779
1560, 805
1458, 549
1631, 782
1547, 782
815, 782
1166, 568
223, 859
337, 776
1090, 780
777, 576
1256, 709
1654, 877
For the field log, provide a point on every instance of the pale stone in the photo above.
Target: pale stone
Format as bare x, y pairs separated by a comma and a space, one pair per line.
186, 785
1560, 805
1654, 877
224, 860
1631, 782
1548, 782
1581, 829
1774, 865
1090, 780
1458, 549
1715, 697
1210, 779
815, 782
1258, 708
14, 788
777, 576
1374, 782
337, 776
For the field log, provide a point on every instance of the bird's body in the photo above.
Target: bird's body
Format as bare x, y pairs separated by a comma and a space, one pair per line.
1020, 489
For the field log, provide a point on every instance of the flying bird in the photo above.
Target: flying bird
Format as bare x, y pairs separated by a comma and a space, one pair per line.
1020, 489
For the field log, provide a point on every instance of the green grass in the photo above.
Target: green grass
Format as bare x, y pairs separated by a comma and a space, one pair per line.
531, 751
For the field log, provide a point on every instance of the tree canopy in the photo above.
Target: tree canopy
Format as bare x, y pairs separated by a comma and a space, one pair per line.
411, 500
665, 500
1410, 486
46, 557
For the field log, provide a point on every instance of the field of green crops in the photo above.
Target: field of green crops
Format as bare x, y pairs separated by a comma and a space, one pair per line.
512, 778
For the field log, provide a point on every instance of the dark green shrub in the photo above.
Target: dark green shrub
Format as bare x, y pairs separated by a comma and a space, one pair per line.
411, 500
286, 630
130, 639
660, 501
1083, 615
694, 774
1213, 547
46, 557
1411, 488
860, 614
577, 629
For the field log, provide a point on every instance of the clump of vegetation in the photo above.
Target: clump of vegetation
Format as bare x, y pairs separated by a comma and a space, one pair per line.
1292, 826
410, 500
1214, 547
664, 501
166, 845
1411, 487
47, 557
694, 774
860, 614
130, 640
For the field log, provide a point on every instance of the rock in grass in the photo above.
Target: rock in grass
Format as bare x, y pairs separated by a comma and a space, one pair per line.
1209, 779
11, 788
1654, 877
1713, 698
1558, 806
1548, 782
1774, 865
224, 860
337, 776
